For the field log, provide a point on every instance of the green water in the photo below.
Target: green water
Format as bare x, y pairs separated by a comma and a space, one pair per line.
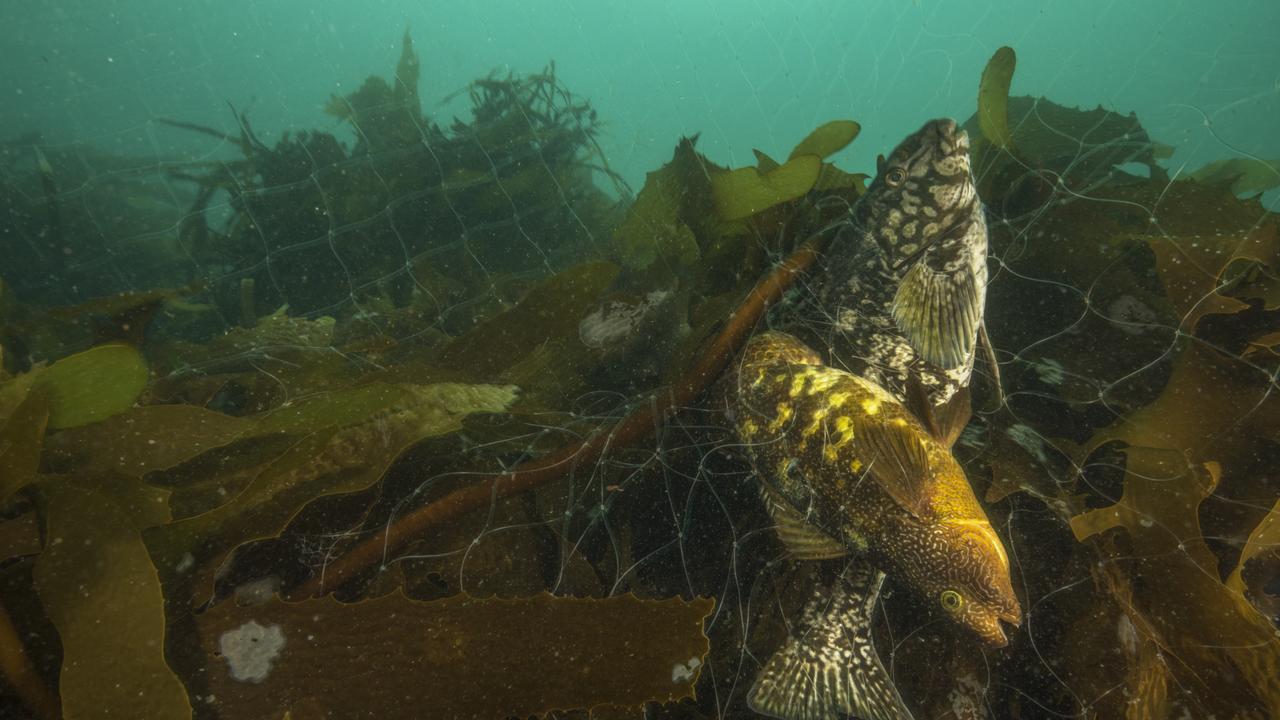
324, 325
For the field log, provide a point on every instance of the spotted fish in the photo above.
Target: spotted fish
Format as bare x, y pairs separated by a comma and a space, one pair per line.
898, 303
847, 470
901, 294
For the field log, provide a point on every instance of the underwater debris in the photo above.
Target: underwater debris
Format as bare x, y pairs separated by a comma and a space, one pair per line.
250, 649
478, 654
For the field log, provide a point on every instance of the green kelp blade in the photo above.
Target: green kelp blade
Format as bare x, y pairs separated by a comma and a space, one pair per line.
764, 163
827, 140
658, 223
460, 657
21, 440
145, 439
92, 385
324, 462
993, 97
100, 589
1244, 176
746, 191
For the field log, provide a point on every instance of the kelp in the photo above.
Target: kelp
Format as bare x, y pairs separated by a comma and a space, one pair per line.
551, 310
1027, 149
1254, 576
440, 365
1134, 410
21, 438
659, 225
83, 388
344, 443
101, 590
318, 225
477, 653
746, 191
1242, 176
62, 204
1207, 427
993, 98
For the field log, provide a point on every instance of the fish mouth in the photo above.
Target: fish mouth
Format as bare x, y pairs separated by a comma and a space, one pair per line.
992, 632
953, 139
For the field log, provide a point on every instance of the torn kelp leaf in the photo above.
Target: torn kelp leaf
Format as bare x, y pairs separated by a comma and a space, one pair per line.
1052, 148
326, 460
664, 220
460, 657
1259, 567
993, 98
386, 115
764, 163
1207, 426
98, 586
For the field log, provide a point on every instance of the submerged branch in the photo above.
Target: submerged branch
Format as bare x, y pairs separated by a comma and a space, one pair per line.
540, 471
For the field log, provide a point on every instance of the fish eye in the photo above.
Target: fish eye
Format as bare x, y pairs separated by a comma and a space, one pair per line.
951, 600
895, 177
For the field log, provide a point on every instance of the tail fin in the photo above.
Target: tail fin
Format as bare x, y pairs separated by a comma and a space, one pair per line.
828, 669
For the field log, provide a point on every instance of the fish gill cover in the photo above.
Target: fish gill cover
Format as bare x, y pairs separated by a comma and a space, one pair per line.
430, 420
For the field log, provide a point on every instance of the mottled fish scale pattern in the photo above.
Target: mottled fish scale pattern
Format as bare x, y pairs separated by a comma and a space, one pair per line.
851, 441
902, 290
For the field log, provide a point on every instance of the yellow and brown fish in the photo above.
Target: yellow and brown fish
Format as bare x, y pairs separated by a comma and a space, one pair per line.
852, 446
846, 469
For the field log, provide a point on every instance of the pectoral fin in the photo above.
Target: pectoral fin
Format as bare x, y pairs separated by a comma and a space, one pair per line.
893, 450
939, 313
828, 668
804, 541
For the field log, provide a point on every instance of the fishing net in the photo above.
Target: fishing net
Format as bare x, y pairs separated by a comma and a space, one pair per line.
355, 369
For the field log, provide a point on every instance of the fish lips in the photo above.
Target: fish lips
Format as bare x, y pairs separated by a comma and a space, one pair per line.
991, 630
953, 138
